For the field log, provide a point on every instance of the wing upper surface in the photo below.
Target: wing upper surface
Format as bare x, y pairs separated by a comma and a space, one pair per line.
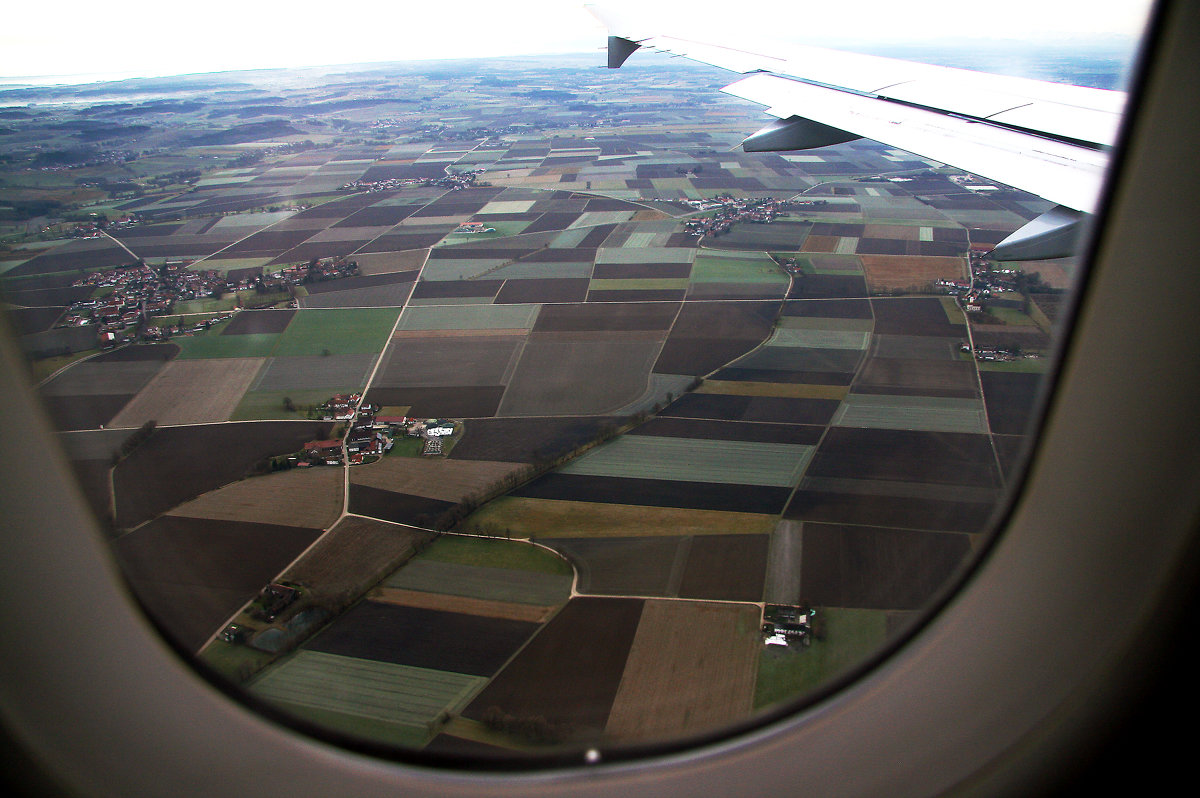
1047, 138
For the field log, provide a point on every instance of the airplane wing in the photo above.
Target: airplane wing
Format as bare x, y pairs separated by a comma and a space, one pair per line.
1049, 139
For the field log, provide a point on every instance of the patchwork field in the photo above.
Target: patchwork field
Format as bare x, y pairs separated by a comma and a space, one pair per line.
691, 669
180, 463
814, 434
378, 701
449, 480
191, 574
570, 672
307, 497
551, 518
191, 392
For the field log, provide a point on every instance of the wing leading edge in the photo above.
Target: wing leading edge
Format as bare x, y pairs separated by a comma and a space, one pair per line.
1048, 139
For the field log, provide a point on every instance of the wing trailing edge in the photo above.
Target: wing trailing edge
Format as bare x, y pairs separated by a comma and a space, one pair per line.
1049, 139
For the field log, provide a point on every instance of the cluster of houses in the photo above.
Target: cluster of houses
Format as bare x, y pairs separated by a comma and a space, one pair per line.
474, 227
152, 333
787, 625
370, 435
96, 227
453, 181
317, 270
987, 286
138, 292
730, 210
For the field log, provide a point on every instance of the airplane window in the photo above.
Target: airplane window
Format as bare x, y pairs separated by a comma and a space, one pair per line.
508, 410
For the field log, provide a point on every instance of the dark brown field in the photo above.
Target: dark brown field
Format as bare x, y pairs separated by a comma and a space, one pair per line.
753, 408
707, 429
84, 412
524, 440
870, 567
709, 335
424, 638
658, 493
728, 567
629, 271
465, 402
895, 511
738, 374
915, 316
1010, 399
191, 574
668, 295
179, 463
569, 673
827, 286
948, 378
550, 289
443, 289
950, 458
626, 566
402, 508
829, 309
259, 321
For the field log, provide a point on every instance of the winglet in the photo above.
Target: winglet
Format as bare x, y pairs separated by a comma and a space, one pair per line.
618, 50
1054, 234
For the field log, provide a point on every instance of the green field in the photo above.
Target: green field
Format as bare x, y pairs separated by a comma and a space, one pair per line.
467, 550
511, 585
851, 635
263, 405
821, 338
469, 317
931, 414
338, 332
366, 698
694, 460
733, 267
213, 344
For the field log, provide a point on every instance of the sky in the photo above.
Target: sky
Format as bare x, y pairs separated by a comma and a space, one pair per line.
154, 38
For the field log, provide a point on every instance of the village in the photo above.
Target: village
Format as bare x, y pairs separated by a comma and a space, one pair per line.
138, 292
452, 180
733, 209
370, 435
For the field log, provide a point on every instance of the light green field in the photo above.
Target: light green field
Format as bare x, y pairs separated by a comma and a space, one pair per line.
213, 344
694, 460
468, 550
482, 582
644, 254
470, 317
954, 313
755, 267
1012, 316
264, 405
851, 635
340, 331
522, 270
366, 698
821, 338
931, 414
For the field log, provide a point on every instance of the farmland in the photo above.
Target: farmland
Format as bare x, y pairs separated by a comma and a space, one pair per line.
655, 430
